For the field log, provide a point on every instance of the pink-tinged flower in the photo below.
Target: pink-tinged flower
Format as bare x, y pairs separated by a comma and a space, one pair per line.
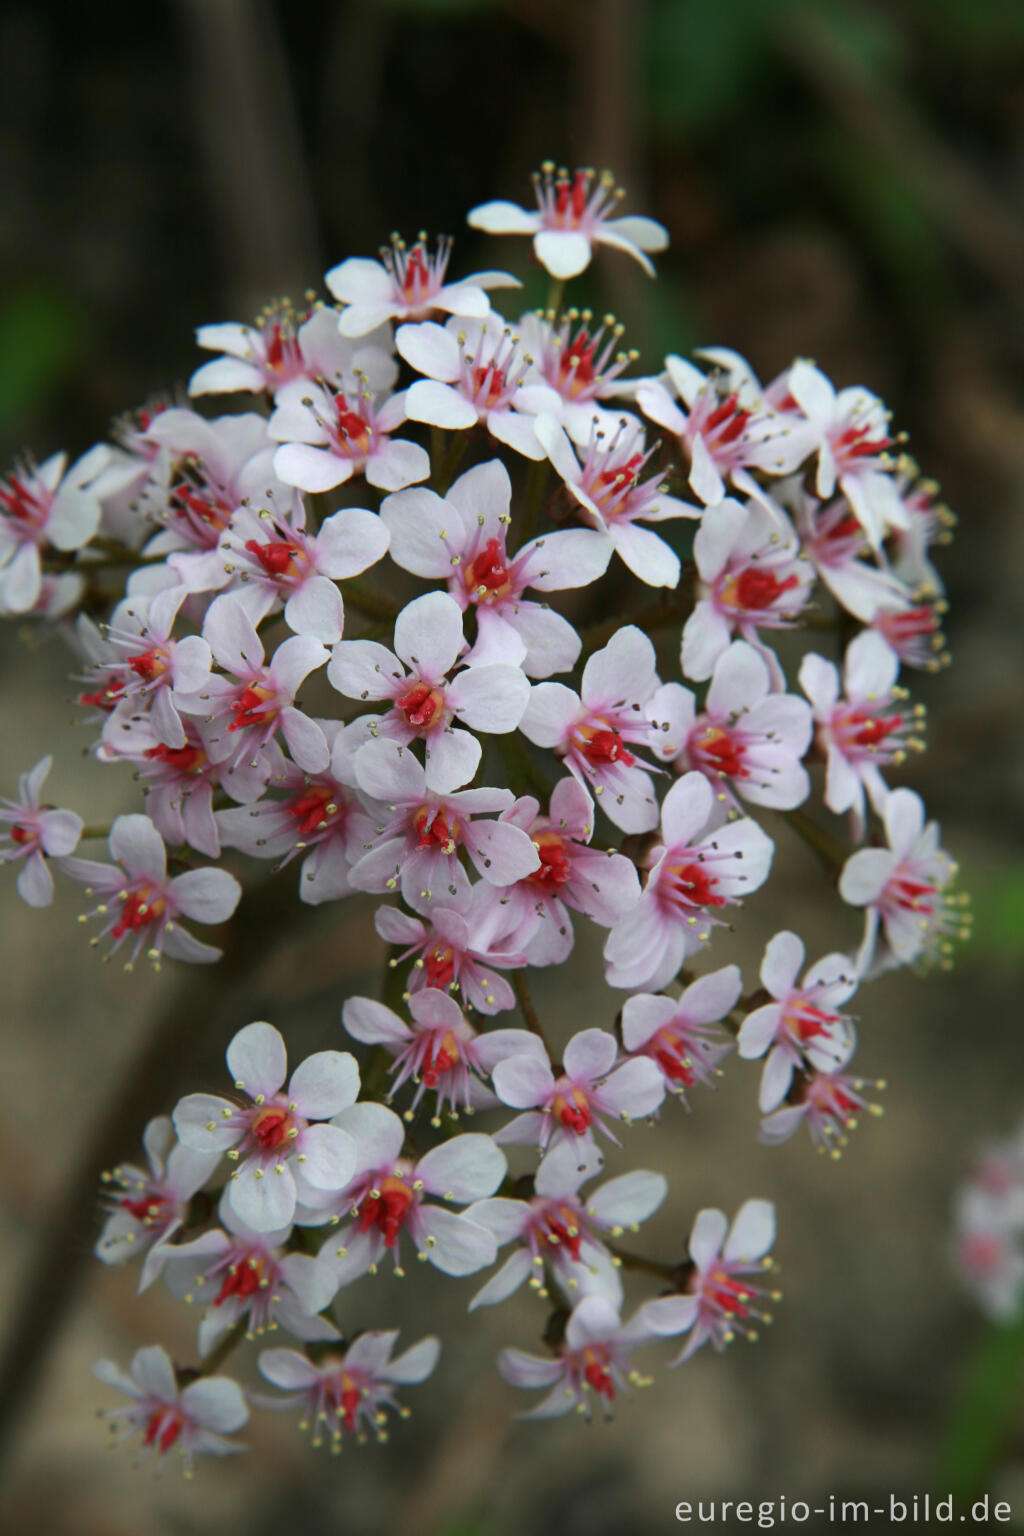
853, 445
408, 283
244, 715
425, 703
140, 904
601, 884
988, 1251
580, 363
828, 1103
474, 371
318, 817
457, 949
865, 730
46, 507
287, 344
239, 1274
594, 729
148, 667
203, 473
914, 632
833, 541
284, 1156
194, 1420
725, 428
572, 217
350, 1392
593, 1361
903, 890
328, 436
803, 1028
747, 741
593, 1086
751, 578
420, 831
605, 482
679, 1034
723, 1257
929, 522
438, 1050
147, 1209
36, 833
389, 1194
561, 1233
178, 782
462, 540
276, 561
697, 871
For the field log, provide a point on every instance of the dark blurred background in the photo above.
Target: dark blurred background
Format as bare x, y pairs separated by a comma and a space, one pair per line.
842, 180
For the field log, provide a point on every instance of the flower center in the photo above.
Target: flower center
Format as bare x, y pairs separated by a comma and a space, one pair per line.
600, 744
670, 1055
423, 706
279, 559
163, 1427
313, 809
22, 835
244, 1278
555, 868
139, 909
386, 1209
719, 750
433, 830
730, 418
755, 588
255, 705
353, 429
596, 1373
442, 1055
184, 759
727, 1293
572, 1111
487, 577
440, 966
148, 1208
272, 1127
693, 884
150, 665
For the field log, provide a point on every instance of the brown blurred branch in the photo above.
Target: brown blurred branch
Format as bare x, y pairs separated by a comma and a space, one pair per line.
972, 216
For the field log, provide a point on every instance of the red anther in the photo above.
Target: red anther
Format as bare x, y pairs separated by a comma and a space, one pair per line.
150, 665
440, 966
270, 1128
489, 571
250, 707
695, 885
759, 589
243, 1279
422, 706
605, 747
313, 809
555, 868
388, 1211
138, 910
277, 559
184, 759
722, 751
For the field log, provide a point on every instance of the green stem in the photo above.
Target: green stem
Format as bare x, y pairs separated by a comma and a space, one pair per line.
556, 288
368, 601
832, 853
674, 1274
533, 500
528, 1011
985, 1411
95, 832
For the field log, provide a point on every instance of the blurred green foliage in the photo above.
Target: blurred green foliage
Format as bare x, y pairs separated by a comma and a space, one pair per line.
41, 339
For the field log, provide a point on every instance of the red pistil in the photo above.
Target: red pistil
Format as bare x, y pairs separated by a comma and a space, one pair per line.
249, 708
278, 559
183, 759
722, 751
440, 966
441, 1056
759, 588
352, 427
695, 885
728, 412
22, 835
313, 809
138, 910
669, 1054
146, 1207
243, 1279
433, 830
272, 1127
104, 698
560, 1232
487, 577
604, 746
387, 1212
422, 706
572, 1111
555, 868
870, 731
150, 665
597, 1374
727, 1293
417, 279
163, 1427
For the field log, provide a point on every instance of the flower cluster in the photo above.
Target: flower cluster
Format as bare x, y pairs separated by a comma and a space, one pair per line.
580, 716
988, 1243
